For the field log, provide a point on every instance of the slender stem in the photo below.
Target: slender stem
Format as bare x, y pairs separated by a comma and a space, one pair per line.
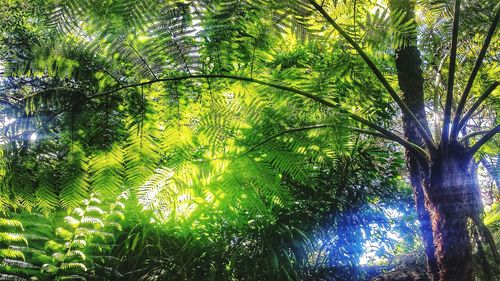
143, 61
353, 116
46, 122
273, 85
385, 135
45, 91
223, 76
475, 148
423, 130
437, 81
464, 139
475, 105
445, 134
472, 77
266, 140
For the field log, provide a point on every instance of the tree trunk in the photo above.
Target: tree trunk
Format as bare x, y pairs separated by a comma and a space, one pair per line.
411, 83
447, 196
424, 221
442, 186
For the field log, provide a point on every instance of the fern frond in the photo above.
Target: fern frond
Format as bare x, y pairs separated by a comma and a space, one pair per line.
71, 277
175, 39
11, 254
6, 237
73, 266
141, 155
9, 277
92, 221
394, 26
76, 253
75, 185
106, 177
11, 223
46, 193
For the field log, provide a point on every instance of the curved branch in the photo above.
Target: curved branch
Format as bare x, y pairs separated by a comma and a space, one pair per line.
445, 133
273, 85
266, 140
475, 105
425, 132
143, 61
389, 136
222, 76
475, 148
463, 99
353, 116
382, 131
47, 90
473, 134
45, 123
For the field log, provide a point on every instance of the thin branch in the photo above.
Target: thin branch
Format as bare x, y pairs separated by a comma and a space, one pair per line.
222, 76
112, 76
445, 134
45, 123
423, 130
436, 103
475, 148
473, 134
493, 170
472, 77
47, 90
266, 140
353, 116
475, 105
486, 235
388, 135
143, 61
380, 130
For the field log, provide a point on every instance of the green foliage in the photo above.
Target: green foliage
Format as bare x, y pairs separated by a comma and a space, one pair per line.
62, 247
83, 243
75, 180
229, 179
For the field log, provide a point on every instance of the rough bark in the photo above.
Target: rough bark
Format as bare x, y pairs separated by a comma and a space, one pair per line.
450, 189
411, 83
442, 186
424, 220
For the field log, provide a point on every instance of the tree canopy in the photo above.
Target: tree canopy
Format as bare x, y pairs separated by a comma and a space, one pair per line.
244, 139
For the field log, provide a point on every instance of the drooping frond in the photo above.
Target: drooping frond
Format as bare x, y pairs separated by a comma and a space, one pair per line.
75, 184
141, 155
106, 168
